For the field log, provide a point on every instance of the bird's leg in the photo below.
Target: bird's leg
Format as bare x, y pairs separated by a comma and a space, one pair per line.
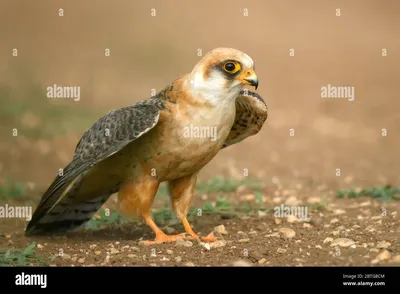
181, 192
136, 198
161, 237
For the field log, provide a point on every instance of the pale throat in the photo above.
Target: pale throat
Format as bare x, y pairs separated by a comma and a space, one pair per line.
214, 90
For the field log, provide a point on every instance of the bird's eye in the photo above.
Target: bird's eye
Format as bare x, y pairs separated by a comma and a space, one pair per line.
231, 67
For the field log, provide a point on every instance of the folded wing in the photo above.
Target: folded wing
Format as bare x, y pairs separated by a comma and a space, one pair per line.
251, 113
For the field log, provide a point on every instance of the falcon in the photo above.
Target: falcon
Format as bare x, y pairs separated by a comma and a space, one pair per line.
131, 150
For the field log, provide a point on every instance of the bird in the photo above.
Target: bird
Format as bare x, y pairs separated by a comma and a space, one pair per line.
169, 137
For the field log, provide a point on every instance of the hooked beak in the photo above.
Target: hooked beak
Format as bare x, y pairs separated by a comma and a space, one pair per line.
249, 77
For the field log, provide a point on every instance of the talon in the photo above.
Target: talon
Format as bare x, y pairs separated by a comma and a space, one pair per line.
162, 238
209, 238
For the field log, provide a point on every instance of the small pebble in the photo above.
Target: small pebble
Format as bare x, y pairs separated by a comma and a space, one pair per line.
189, 264
262, 261
241, 263
287, 232
383, 245
342, 242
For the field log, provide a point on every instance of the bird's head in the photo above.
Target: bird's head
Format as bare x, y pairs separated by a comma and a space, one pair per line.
221, 74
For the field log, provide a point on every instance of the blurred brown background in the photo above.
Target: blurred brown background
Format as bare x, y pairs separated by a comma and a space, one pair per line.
150, 52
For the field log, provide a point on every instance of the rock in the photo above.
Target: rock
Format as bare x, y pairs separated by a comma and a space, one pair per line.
281, 250
396, 259
307, 225
384, 255
318, 246
135, 249
342, 242
244, 240
248, 197
66, 256
242, 235
370, 229
364, 204
336, 233
277, 200
131, 255
277, 221
81, 260
356, 227
178, 259
241, 263
256, 255
114, 251
218, 235
292, 219
106, 260
153, 264
8, 236
253, 233
262, 261
383, 245
207, 246
287, 232
40, 246
292, 201
97, 252
74, 258
183, 243
339, 211
276, 234
334, 221
374, 250
314, 200
170, 252
217, 244
221, 229
261, 213
189, 264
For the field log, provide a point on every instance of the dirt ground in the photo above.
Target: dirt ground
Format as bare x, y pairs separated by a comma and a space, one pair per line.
296, 156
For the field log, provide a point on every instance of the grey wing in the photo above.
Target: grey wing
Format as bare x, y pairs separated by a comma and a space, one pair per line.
107, 136
251, 113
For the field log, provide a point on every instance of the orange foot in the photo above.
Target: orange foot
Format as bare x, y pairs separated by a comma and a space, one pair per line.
208, 239
163, 238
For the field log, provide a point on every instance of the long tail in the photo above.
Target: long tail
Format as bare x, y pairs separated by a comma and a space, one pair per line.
68, 214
